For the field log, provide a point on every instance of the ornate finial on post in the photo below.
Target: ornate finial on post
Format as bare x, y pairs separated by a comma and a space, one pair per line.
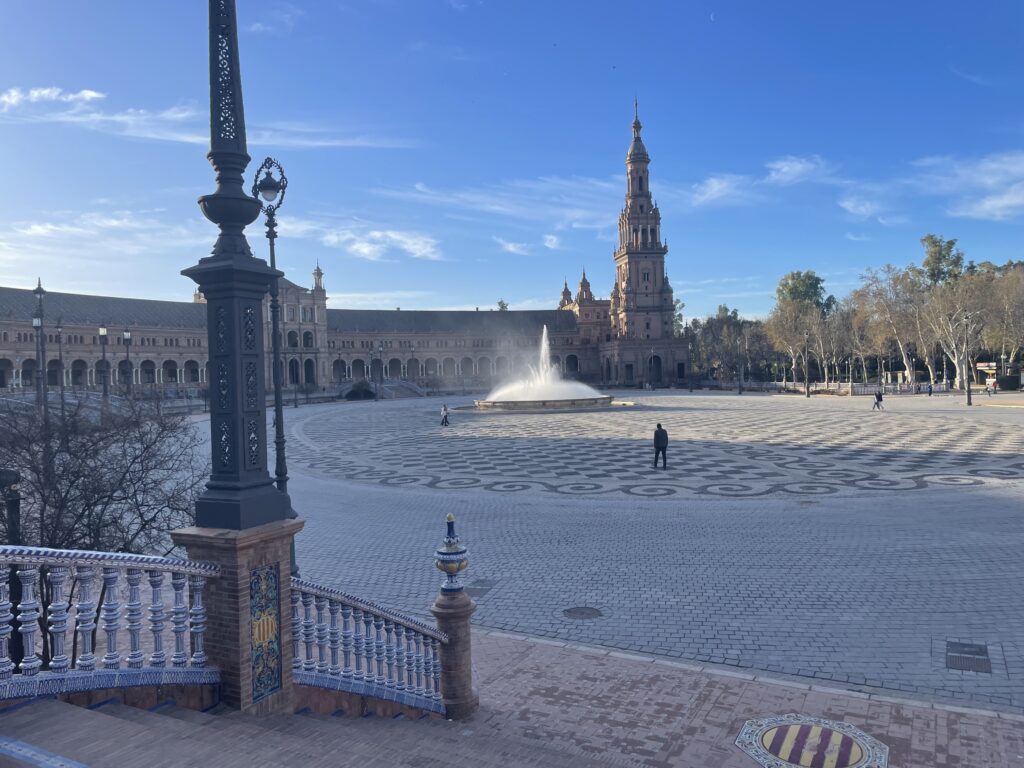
451, 559
453, 609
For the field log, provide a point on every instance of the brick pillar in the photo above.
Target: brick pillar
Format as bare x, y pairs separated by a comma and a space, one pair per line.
452, 611
249, 628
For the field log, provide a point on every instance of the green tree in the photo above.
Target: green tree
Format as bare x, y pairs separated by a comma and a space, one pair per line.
678, 325
502, 305
943, 261
802, 288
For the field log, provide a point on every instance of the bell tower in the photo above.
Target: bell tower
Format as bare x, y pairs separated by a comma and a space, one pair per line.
645, 306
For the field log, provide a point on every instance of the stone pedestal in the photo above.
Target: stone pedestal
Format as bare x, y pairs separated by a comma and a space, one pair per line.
249, 628
452, 611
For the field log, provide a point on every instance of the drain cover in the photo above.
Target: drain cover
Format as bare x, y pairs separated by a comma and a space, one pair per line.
798, 740
582, 612
968, 657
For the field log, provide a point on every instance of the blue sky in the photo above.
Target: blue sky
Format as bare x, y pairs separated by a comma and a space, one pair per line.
445, 153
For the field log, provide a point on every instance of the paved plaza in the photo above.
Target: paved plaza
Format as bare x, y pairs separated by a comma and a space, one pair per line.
814, 541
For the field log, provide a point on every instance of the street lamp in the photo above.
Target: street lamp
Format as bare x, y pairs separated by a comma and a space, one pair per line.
106, 370
272, 189
380, 356
967, 356
37, 325
1003, 358
60, 364
807, 372
126, 336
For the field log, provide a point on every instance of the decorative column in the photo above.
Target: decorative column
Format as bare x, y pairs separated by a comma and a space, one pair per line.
241, 517
453, 609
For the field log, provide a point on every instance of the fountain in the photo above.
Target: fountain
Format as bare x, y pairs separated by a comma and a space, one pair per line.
544, 388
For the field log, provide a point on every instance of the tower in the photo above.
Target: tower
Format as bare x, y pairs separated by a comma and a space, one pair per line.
644, 305
566, 296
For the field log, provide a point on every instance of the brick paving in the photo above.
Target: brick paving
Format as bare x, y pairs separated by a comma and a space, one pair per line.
661, 714
861, 588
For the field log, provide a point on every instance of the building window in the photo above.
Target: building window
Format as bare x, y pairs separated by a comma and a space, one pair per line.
291, 314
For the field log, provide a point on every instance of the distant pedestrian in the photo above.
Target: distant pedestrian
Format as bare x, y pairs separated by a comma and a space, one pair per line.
444, 415
660, 445
878, 402
929, 390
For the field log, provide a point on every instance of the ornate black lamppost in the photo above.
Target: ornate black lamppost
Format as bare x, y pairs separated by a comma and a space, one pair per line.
240, 493
272, 189
126, 337
106, 369
37, 326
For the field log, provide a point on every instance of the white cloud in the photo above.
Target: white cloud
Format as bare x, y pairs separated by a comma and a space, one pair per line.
990, 187
14, 97
563, 202
181, 123
793, 170
379, 299
278, 20
364, 241
519, 249
857, 238
552, 242
727, 188
1008, 204
859, 206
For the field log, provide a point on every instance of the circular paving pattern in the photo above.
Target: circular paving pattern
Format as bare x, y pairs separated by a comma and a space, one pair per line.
737, 448
797, 740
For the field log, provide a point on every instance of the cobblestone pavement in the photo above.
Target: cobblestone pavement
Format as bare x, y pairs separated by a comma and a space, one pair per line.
861, 587
721, 446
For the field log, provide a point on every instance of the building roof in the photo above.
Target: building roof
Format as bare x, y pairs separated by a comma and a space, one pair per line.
18, 304
444, 321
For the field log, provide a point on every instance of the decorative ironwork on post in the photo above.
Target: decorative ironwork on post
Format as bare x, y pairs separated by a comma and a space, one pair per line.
240, 492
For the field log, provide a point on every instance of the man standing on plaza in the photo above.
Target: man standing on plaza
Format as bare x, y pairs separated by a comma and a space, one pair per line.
660, 444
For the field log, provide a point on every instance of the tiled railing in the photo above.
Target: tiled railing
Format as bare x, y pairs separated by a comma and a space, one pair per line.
343, 643
86, 654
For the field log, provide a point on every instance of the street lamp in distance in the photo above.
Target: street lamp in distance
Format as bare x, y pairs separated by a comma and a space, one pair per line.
106, 370
126, 336
807, 368
380, 356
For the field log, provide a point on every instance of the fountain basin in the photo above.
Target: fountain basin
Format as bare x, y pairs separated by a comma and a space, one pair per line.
536, 405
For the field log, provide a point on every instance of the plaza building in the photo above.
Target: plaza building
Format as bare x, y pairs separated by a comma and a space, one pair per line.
625, 340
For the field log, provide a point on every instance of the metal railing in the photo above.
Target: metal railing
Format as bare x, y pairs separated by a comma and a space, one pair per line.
343, 643
92, 592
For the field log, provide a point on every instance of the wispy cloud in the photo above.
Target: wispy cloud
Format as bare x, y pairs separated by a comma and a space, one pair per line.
857, 238
971, 78
278, 20
14, 97
859, 206
990, 187
181, 123
365, 241
378, 299
736, 188
552, 242
519, 249
728, 188
575, 202
793, 170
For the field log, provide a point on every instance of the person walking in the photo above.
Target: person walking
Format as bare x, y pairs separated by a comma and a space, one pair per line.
444, 415
660, 446
878, 402
929, 389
